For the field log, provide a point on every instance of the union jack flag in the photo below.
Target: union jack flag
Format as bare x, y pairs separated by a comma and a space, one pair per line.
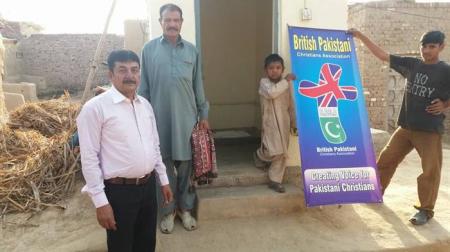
328, 91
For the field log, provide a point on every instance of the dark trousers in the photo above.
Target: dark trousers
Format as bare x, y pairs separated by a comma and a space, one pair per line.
135, 211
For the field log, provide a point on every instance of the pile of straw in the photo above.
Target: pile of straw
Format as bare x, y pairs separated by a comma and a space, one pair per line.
37, 167
49, 117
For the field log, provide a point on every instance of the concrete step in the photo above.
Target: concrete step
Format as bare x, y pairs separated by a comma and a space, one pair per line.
236, 167
256, 200
248, 176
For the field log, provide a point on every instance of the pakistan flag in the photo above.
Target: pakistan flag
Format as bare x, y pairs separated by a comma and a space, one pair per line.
331, 127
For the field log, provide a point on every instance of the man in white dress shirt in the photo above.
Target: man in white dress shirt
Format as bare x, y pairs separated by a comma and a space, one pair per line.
120, 158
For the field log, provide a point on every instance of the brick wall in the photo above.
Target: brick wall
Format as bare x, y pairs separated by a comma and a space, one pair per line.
64, 59
396, 26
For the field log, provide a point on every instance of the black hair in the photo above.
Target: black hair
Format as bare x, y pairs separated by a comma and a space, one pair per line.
122, 56
170, 7
273, 58
432, 37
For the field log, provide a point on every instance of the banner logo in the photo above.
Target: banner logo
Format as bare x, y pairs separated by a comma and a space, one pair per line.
327, 92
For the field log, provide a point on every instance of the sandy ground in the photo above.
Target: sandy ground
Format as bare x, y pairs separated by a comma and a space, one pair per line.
358, 227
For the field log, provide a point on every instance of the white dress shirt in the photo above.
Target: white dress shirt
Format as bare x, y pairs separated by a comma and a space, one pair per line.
118, 138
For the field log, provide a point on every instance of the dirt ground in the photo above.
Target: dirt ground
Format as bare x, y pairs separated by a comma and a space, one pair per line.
358, 227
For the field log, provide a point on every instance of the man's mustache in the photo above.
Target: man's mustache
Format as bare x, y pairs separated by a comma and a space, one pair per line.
172, 29
129, 82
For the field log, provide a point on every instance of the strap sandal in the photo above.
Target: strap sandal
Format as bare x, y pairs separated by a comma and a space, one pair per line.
420, 217
189, 223
167, 223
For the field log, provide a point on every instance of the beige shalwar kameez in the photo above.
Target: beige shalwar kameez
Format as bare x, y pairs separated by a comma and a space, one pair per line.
278, 117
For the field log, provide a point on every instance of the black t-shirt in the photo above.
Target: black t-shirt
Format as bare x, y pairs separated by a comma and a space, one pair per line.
424, 83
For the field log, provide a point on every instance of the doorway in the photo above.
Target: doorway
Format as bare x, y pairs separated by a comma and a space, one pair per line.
235, 36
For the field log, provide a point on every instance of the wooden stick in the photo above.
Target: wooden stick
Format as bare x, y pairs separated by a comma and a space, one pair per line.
17, 205
36, 195
94, 65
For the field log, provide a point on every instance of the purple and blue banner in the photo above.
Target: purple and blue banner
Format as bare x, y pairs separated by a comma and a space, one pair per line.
336, 149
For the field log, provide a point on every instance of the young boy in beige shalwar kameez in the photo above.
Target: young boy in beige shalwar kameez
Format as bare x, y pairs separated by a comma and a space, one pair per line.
278, 120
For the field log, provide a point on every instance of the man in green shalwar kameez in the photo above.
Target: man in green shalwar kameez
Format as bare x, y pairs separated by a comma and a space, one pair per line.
171, 80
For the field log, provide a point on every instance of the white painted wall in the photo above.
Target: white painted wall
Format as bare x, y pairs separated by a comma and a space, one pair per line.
327, 14
136, 34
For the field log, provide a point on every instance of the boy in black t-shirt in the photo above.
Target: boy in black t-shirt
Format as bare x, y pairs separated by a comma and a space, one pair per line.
421, 117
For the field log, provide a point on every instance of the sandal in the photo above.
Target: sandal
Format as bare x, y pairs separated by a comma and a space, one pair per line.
420, 217
277, 187
189, 223
167, 223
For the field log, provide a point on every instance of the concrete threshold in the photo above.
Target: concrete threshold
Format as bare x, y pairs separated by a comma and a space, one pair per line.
259, 200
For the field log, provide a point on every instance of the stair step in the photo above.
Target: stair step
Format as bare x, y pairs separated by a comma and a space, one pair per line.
256, 200
248, 176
